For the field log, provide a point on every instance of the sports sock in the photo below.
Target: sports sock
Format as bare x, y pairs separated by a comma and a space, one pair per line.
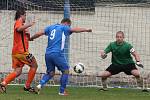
45, 79
31, 75
9, 78
104, 83
63, 82
139, 82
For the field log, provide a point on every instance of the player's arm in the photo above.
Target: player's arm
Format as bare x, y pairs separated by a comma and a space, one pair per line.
37, 35
137, 57
23, 27
134, 53
78, 30
27, 33
103, 53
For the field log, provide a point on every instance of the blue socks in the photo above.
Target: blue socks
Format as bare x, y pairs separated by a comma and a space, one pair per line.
45, 79
63, 82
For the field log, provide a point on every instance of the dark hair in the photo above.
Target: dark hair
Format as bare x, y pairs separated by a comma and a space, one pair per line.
120, 32
66, 20
19, 13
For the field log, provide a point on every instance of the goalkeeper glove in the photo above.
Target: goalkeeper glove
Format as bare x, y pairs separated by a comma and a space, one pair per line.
104, 56
139, 64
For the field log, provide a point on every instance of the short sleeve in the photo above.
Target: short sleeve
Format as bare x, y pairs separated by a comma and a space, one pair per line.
108, 49
130, 46
67, 30
46, 30
18, 24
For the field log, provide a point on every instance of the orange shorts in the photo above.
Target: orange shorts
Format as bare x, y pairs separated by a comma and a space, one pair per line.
19, 60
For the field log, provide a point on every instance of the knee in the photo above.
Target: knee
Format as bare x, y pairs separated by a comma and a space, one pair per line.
135, 73
51, 73
18, 72
35, 65
105, 75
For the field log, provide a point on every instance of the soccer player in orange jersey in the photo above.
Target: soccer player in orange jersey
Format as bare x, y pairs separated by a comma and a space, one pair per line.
20, 53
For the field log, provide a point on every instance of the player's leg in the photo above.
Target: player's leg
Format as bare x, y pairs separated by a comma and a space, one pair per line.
50, 72
63, 66
30, 60
10, 77
47, 76
111, 70
104, 77
17, 66
64, 82
139, 79
132, 70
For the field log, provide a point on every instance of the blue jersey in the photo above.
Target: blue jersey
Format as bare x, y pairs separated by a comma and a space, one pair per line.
57, 34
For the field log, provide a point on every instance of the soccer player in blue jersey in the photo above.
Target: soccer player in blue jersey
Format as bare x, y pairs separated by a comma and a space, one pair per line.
54, 55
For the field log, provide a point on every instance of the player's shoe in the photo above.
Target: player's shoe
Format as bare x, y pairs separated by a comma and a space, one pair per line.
30, 89
63, 94
2, 89
38, 88
145, 90
103, 89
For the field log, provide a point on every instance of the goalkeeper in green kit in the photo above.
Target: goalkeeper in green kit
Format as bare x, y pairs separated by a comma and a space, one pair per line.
121, 60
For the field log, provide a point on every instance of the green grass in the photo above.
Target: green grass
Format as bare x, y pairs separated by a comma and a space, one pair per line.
51, 93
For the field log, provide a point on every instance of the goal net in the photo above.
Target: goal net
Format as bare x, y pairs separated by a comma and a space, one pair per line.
105, 17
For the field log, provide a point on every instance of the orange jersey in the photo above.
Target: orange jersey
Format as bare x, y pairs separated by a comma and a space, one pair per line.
20, 42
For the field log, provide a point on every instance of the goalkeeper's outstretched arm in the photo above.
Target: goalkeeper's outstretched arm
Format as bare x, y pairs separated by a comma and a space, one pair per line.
103, 54
137, 58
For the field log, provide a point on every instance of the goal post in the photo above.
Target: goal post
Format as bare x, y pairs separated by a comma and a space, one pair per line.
67, 15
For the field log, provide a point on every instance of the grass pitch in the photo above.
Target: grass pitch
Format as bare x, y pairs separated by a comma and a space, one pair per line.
51, 93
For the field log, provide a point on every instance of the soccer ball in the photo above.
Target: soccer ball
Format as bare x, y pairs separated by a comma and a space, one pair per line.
79, 68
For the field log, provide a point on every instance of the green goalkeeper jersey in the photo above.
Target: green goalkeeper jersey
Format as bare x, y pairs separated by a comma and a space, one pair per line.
120, 53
